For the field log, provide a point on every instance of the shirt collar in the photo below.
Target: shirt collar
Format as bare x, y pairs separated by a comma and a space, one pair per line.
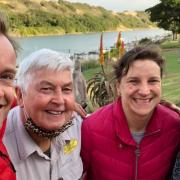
26, 145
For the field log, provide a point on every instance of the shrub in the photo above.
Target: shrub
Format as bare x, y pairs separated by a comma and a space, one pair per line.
145, 41
90, 64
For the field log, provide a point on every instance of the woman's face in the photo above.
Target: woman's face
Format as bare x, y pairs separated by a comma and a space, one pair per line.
140, 89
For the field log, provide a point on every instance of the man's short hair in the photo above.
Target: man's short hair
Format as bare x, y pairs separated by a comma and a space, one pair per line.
4, 31
43, 59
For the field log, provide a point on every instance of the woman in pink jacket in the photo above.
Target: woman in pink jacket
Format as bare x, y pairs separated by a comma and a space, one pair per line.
134, 138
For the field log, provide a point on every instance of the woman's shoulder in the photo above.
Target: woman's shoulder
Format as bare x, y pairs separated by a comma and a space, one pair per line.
169, 111
101, 112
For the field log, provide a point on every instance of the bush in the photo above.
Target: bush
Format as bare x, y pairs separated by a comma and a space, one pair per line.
90, 64
145, 41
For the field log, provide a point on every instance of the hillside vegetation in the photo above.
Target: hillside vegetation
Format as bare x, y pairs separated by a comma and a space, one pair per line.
36, 17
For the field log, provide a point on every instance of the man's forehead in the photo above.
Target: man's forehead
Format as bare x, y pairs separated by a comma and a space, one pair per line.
7, 64
7, 54
54, 83
43, 72
50, 77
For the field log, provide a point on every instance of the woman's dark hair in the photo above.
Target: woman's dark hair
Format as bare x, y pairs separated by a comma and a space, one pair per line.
150, 52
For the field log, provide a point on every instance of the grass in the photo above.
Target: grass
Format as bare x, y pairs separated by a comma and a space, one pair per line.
171, 88
171, 80
91, 72
172, 61
170, 44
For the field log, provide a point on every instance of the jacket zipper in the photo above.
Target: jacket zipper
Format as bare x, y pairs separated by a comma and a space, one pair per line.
137, 154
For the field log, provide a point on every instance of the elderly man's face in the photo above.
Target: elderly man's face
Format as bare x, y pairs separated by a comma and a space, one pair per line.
49, 98
7, 74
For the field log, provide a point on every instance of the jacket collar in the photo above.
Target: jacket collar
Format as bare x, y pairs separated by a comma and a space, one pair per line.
121, 125
2, 129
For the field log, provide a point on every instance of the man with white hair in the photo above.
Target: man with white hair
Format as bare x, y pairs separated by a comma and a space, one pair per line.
42, 135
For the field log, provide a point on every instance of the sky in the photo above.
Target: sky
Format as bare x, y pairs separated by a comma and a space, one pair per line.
121, 5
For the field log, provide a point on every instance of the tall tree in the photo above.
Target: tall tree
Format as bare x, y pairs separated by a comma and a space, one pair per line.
167, 15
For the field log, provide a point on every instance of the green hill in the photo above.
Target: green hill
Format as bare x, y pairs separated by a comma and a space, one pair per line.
37, 17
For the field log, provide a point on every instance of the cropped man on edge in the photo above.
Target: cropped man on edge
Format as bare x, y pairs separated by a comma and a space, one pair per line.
7, 74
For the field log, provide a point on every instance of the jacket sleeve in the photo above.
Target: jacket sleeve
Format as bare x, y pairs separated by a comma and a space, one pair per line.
7, 171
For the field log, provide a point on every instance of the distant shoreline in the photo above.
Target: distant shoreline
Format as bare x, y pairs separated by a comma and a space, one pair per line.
122, 29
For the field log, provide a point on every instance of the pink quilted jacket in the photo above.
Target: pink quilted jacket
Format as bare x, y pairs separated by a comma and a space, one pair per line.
110, 153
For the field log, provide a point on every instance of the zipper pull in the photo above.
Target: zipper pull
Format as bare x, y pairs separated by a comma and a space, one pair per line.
137, 152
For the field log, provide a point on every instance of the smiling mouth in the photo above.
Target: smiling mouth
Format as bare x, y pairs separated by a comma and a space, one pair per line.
147, 100
56, 113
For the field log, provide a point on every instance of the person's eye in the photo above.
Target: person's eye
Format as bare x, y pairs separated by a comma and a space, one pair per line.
154, 81
133, 81
8, 76
67, 90
46, 89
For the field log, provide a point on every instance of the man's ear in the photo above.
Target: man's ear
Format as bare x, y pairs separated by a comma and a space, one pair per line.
19, 97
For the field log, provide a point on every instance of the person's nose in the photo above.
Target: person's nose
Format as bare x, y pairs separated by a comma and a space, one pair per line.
144, 89
58, 97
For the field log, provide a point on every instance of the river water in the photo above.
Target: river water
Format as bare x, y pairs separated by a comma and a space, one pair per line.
83, 43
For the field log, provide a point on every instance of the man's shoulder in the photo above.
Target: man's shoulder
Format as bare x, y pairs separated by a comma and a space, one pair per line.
10, 136
77, 119
169, 118
11, 125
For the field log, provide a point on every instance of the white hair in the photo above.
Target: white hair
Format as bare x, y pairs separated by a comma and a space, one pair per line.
43, 59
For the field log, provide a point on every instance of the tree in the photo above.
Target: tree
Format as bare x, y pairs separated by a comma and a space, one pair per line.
167, 15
